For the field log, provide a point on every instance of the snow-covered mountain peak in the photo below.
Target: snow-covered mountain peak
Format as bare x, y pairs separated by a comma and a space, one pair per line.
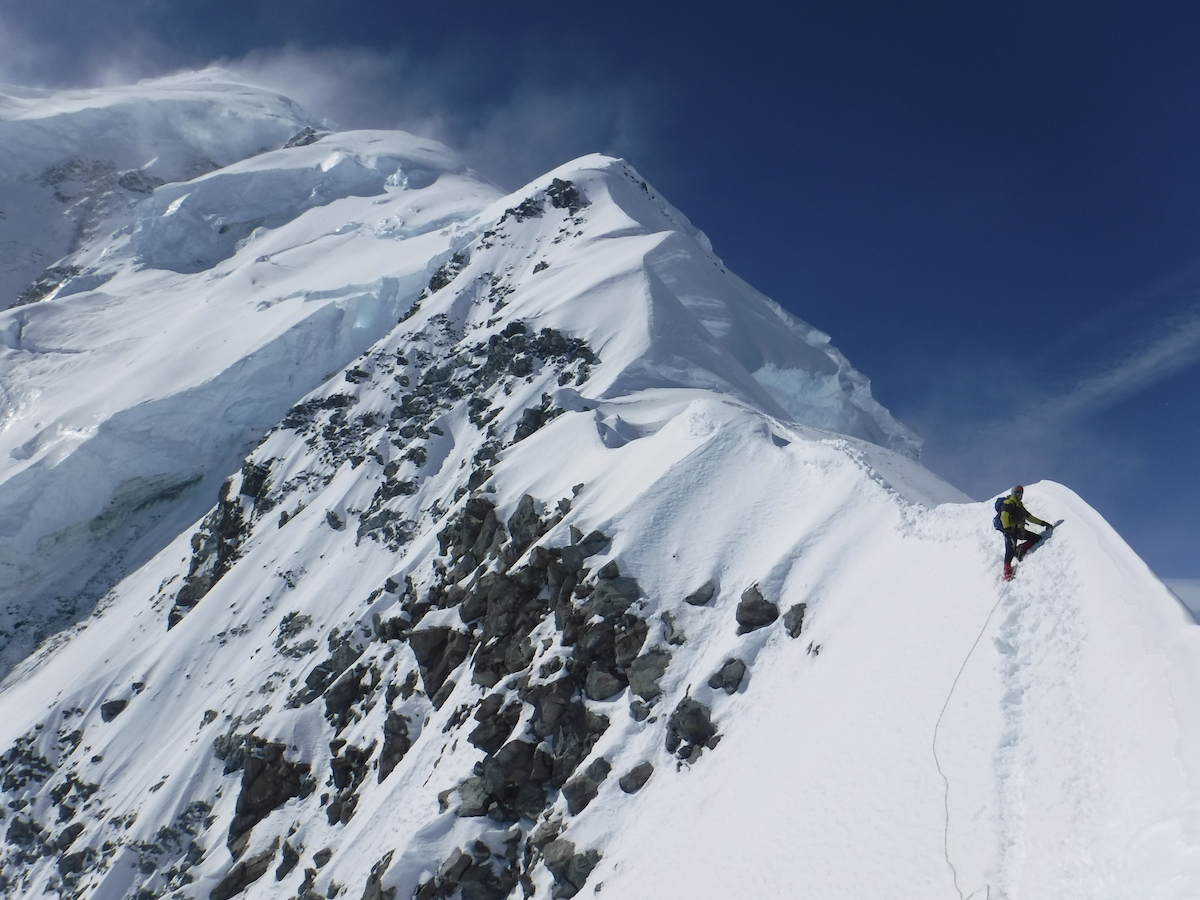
368, 532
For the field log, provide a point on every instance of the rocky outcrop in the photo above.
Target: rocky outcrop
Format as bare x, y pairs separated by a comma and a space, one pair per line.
570, 869
268, 781
244, 873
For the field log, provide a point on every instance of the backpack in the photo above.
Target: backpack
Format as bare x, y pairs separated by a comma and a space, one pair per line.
996, 521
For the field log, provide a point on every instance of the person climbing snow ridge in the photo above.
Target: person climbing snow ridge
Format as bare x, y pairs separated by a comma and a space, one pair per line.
1011, 521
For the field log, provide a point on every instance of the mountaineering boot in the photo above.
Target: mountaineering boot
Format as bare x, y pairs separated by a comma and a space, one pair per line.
1026, 547
1008, 572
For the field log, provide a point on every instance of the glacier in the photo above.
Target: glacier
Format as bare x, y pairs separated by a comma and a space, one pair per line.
366, 530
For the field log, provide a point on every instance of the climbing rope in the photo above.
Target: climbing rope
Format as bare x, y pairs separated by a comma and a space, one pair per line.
937, 762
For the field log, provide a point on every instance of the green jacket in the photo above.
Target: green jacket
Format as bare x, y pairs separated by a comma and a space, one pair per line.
1013, 514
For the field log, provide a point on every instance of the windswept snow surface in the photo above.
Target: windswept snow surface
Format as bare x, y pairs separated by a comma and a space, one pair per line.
525, 495
171, 345
74, 163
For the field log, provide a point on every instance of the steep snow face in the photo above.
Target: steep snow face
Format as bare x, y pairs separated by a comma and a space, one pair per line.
170, 346
548, 558
75, 162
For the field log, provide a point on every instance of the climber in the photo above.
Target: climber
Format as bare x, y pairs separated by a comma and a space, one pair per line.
1011, 519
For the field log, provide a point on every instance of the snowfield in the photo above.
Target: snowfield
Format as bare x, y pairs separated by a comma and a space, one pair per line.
548, 558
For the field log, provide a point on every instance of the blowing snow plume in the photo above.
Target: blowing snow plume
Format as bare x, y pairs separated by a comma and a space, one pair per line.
536, 533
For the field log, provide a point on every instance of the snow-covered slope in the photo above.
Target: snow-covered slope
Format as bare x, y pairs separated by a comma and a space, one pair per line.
74, 163
136, 385
552, 560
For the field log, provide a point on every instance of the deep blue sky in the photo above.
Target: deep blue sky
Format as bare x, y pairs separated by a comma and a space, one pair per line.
993, 209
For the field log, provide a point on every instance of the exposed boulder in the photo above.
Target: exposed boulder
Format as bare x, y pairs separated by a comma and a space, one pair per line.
474, 874
691, 725
354, 685
729, 677
324, 673
611, 597
560, 716
593, 543
291, 856
602, 684
524, 525
754, 611
110, 709
508, 784
396, 743
701, 595
672, 633
628, 638
793, 619
581, 790
633, 780
570, 869
495, 724
644, 672
474, 797
374, 889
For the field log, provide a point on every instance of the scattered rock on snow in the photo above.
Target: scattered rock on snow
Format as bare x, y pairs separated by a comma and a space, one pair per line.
581, 790
729, 677
754, 611
672, 633
570, 869
701, 595
633, 780
690, 725
110, 709
793, 619
644, 672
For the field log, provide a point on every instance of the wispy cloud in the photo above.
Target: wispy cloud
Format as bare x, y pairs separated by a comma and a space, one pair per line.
1175, 347
512, 119
118, 53
999, 421
511, 132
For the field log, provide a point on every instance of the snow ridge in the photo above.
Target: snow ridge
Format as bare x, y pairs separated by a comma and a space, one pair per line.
536, 534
